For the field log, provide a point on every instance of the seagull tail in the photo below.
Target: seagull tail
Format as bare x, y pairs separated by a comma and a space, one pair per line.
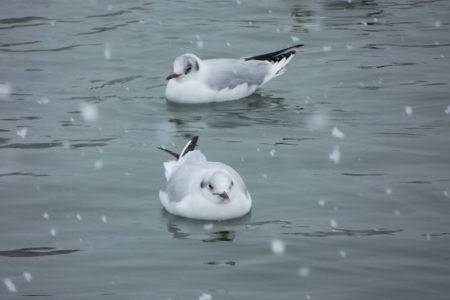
190, 146
278, 68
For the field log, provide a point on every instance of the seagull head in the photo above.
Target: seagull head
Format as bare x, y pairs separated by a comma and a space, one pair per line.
217, 187
185, 65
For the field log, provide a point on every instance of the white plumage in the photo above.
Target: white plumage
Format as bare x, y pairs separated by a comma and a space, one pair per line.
216, 80
199, 189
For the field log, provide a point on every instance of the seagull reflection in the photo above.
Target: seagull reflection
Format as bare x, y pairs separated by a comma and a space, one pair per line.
232, 114
205, 231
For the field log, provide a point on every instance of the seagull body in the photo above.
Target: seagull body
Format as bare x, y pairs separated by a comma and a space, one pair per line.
216, 80
200, 189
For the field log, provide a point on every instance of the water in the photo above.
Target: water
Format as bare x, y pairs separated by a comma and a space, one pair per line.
356, 212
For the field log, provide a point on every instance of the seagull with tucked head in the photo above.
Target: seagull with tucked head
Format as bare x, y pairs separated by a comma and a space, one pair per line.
216, 80
200, 189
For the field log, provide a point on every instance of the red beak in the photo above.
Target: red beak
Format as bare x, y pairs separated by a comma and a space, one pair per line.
171, 76
224, 195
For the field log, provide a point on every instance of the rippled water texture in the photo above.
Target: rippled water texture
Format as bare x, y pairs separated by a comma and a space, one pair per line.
346, 155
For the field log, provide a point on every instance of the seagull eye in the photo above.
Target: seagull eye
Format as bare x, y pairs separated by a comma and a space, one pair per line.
210, 186
188, 69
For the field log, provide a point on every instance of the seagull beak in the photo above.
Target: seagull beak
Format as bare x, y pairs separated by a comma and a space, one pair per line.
224, 196
171, 76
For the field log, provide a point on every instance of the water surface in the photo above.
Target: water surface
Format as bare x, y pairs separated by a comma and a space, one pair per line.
361, 213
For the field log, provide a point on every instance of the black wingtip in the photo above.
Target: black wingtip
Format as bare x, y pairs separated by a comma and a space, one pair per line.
176, 155
190, 146
277, 55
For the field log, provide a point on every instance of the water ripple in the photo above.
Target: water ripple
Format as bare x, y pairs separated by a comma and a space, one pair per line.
36, 251
23, 174
102, 29
18, 44
346, 232
118, 81
50, 49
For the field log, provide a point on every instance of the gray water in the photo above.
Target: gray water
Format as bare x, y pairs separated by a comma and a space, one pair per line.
359, 214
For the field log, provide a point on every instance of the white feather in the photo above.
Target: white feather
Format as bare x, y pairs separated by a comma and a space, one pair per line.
184, 195
218, 80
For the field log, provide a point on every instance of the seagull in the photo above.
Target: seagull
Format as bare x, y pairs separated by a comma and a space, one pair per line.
201, 189
216, 80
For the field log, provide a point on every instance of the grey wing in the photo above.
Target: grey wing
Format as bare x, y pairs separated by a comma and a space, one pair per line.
229, 73
180, 184
177, 190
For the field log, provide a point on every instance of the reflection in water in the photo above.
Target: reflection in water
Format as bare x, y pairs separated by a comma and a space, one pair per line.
230, 114
225, 231
205, 231
346, 232
36, 251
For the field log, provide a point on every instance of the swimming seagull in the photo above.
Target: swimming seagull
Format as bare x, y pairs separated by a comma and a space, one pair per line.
201, 189
215, 80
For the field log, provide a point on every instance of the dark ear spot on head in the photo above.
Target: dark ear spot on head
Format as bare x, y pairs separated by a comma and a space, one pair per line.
202, 184
188, 68
191, 65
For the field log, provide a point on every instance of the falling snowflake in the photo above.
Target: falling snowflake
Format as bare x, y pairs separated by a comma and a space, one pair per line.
89, 112
304, 271
318, 121
107, 51
335, 155
447, 110
22, 132
5, 89
408, 110
337, 133
10, 285
205, 296
27, 276
43, 101
278, 247
208, 226
98, 165
295, 39
333, 223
